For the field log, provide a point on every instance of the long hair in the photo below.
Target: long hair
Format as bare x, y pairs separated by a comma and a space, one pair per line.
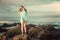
22, 7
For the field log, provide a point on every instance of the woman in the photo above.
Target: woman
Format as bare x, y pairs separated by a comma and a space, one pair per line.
23, 19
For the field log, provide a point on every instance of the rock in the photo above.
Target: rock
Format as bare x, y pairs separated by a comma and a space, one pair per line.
14, 31
43, 34
30, 25
49, 27
39, 32
16, 38
0, 38
32, 31
24, 37
39, 28
18, 26
4, 37
21, 37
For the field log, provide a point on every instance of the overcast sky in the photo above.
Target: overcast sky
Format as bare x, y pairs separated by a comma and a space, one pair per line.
43, 10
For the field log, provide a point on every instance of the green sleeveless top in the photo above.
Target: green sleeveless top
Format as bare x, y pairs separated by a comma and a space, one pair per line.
23, 15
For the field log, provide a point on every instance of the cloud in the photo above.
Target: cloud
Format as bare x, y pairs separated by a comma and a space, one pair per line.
6, 22
53, 7
26, 2
37, 2
42, 10
8, 2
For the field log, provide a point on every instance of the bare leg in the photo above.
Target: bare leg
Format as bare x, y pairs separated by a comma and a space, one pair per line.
22, 28
25, 23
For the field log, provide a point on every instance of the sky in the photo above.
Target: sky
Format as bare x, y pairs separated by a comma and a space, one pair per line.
42, 10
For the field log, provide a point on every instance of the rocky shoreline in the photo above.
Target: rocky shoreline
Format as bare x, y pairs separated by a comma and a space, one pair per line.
34, 32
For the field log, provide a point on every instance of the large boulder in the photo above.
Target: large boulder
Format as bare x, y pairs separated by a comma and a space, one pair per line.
21, 37
30, 25
4, 36
14, 31
32, 31
43, 34
39, 28
49, 27
17, 37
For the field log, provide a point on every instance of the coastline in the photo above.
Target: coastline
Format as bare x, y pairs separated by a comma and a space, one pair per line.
34, 31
